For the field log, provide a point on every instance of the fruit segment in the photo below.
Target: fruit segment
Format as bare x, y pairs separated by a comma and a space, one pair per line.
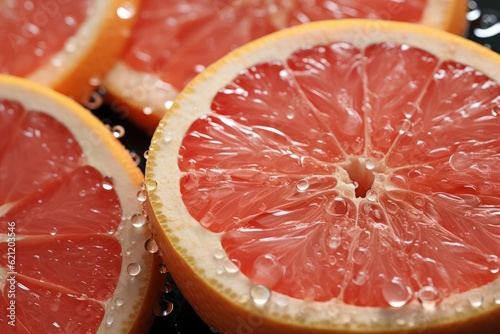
53, 151
369, 175
58, 217
48, 310
87, 266
45, 29
195, 34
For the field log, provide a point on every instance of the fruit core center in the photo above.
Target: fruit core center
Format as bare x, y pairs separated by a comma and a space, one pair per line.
361, 172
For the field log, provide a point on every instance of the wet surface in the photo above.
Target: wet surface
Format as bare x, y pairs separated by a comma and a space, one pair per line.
484, 28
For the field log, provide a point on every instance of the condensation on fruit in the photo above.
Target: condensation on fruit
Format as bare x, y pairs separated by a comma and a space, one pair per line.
260, 294
150, 184
134, 269
163, 308
151, 246
162, 268
126, 11
267, 270
396, 292
138, 220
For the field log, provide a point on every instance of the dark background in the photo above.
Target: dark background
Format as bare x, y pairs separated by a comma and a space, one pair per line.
484, 28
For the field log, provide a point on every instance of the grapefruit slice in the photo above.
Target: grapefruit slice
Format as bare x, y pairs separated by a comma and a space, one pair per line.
66, 45
72, 235
336, 177
175, 40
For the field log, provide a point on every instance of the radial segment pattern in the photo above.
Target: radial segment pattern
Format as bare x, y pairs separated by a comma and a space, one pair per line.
369, 175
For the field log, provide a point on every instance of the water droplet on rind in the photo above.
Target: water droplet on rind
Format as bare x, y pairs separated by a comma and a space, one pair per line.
151, 246
150, 184
134, 269
118, 131
475, 299
127, 11
138, 220
260, 294
141, 196
162, 268
396, 293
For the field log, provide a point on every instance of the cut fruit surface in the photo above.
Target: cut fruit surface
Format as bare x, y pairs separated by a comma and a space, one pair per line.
66, 45
70, 256
342, 176
175, 40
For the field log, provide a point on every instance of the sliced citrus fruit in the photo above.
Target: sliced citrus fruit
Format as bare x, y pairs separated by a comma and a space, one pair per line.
173, 41
338, 176
66, 45
72, 234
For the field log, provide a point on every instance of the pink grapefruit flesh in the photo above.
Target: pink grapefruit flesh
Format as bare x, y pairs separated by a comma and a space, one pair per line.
195, 33
31, 32
327, 180
64, 214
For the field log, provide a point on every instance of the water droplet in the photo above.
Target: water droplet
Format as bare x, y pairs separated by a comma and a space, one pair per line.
267, 270
141, 196
163, 308
207, 220
151, 184
493, 264
135, 158
151, 246
146, 154
302, 185
410, 109
219, 254
94, 101
496, 298
134, 269
95, 81
360, 278
260, 294
54, 304
118, 131
147, 110
408, 237
53, 231
168, 104
334, 242
360, 255
126, 11
370, 164
107, 183
428, 296
459, 161
371, 195
162, 268
337, 207
475, 299
198, 68
109, 319
138, 220
404, 126
396, 293
119, 301
167, 137
290, 112
167, 288
231, 266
